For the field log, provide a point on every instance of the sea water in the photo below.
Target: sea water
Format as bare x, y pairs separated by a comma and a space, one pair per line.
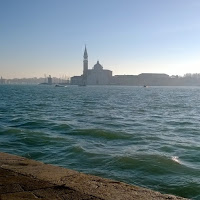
148, 137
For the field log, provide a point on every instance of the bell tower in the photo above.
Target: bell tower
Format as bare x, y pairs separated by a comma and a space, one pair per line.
85, 66
85, 62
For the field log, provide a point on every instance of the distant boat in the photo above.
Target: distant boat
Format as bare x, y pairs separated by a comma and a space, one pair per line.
145, 86
44, 84
58, 85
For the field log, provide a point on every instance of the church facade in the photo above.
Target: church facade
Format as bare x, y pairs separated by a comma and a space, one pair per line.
95, 76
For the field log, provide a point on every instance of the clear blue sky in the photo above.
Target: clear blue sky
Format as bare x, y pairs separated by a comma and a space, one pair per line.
40, 37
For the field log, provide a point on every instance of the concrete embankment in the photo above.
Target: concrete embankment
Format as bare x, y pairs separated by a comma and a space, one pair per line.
21, 178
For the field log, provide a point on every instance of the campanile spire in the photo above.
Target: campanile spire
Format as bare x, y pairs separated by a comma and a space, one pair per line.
85, 56
85, 66
85, 62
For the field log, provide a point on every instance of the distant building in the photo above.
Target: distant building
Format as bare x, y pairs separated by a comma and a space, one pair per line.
77, 80
98, 75
153, 75
153, 79
156, 79
49, 80
2, 81
95, 76
125, 80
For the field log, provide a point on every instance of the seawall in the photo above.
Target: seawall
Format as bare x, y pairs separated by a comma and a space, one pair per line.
22, 178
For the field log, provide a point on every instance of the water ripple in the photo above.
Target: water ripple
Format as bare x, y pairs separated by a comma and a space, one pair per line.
148, 137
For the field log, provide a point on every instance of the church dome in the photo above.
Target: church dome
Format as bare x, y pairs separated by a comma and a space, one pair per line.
98, 66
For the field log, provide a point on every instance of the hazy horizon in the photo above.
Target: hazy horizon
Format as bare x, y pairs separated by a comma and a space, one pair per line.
64, 77
128, 37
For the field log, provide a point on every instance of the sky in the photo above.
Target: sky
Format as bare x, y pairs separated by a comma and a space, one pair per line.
47, 37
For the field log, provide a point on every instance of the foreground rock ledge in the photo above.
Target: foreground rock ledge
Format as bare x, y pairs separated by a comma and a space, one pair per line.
21, 178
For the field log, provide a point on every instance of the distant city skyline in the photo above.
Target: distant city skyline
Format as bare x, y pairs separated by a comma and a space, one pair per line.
128, 37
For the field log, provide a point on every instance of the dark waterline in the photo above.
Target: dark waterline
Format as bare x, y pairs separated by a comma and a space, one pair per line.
143, 136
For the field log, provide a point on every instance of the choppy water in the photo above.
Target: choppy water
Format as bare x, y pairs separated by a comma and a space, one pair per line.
144, 136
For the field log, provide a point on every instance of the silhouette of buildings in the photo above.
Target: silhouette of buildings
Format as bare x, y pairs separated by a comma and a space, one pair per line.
141, 79
99, 76
95, 76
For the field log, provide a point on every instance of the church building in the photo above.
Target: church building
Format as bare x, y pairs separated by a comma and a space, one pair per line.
95, 76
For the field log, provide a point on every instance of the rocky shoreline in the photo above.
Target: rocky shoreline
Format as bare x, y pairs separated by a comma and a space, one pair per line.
22, 178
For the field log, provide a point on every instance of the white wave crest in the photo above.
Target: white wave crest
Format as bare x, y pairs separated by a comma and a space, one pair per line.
176, 159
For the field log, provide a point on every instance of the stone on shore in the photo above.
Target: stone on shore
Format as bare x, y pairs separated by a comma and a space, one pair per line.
22, 178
